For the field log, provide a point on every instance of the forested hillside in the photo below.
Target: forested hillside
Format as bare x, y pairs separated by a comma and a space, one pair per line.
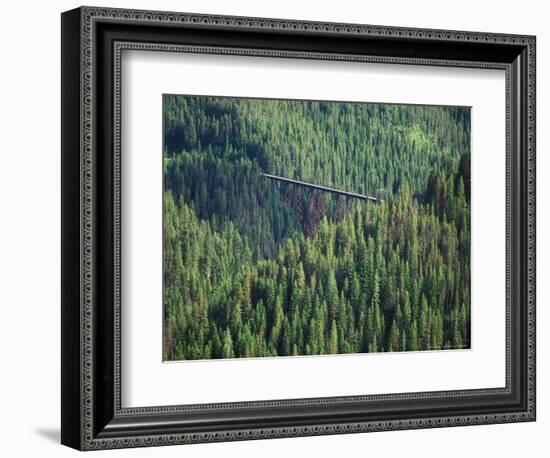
254, 267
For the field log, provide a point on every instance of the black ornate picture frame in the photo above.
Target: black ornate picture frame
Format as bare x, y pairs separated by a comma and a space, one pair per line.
92, 42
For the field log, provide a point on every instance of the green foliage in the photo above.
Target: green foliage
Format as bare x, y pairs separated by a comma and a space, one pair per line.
257, 268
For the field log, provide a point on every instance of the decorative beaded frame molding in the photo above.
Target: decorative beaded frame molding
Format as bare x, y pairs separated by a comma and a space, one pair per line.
88, 438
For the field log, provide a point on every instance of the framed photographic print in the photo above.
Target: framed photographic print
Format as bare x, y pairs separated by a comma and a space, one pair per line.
276, 228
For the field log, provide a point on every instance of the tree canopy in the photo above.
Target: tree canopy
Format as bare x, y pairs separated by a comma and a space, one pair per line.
254, 267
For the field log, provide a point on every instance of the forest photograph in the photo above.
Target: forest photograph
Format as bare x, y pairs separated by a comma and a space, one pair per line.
300, 227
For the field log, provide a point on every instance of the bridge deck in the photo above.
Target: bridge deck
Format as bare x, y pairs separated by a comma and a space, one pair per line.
321, 188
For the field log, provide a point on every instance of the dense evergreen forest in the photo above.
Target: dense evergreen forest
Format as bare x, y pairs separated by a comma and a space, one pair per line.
255, 267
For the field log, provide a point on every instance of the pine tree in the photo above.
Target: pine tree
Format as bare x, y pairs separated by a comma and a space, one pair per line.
227, 351
333, 345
